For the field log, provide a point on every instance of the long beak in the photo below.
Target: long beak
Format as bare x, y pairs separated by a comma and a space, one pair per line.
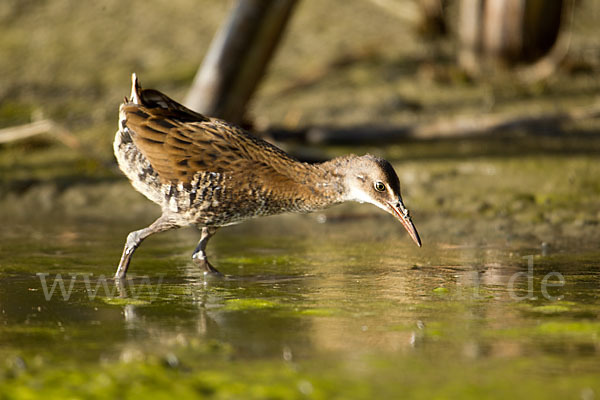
400, 212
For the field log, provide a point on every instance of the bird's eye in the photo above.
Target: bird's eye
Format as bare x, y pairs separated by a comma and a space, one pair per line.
379, 186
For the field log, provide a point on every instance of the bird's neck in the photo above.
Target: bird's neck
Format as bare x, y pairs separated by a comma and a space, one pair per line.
326, 183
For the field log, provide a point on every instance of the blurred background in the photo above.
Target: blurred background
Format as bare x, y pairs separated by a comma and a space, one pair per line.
414, 81
387, 70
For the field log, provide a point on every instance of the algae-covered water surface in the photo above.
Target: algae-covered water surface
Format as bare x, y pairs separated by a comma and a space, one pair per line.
335, 305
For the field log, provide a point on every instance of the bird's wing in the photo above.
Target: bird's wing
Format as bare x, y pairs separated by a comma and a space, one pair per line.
179, 142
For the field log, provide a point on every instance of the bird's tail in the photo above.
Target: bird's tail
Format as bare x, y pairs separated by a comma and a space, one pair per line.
135, 90
151, 98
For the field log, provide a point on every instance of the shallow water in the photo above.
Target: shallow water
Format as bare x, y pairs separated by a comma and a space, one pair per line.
349, 308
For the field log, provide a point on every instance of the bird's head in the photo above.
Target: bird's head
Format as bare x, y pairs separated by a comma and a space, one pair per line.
369, 179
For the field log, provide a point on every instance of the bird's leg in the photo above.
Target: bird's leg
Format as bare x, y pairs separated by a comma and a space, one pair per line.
199, 256
134, 239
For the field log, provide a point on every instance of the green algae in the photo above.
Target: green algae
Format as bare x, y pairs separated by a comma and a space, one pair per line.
249, 304
320, 312
31, 330
441, 291
577, 329
165, 377
122, 301
550, 309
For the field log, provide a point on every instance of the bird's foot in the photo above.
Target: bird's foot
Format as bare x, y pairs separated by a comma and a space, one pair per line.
205, 266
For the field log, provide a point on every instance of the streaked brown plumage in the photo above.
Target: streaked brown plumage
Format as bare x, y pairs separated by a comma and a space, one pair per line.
205, 172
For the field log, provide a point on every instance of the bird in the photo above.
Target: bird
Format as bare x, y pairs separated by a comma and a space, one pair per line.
207, 173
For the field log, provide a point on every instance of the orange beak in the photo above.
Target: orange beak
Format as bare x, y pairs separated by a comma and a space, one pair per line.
400, 212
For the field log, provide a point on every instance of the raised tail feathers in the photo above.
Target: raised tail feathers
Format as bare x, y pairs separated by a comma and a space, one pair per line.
135, 90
